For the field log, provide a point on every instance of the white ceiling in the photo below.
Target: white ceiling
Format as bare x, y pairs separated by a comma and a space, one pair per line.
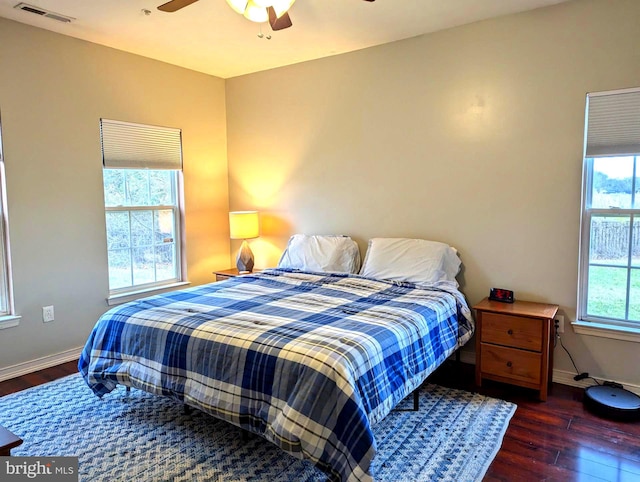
208, 36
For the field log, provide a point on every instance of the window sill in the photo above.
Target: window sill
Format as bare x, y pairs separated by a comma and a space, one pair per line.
134, 295
606, 331
9, 321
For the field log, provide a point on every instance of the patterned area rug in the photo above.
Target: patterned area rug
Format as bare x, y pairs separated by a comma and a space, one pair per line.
141, 437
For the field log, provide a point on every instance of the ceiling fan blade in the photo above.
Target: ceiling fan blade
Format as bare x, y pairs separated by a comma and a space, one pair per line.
279, 23
174, 5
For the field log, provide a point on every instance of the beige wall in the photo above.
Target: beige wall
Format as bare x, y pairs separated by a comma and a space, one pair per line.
53, 90
471, 136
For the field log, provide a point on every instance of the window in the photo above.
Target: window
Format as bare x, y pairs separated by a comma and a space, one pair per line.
8, 317
609, 276
141, 175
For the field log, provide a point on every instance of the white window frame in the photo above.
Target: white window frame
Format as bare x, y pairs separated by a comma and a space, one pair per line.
128, 146
8, 317
615, 328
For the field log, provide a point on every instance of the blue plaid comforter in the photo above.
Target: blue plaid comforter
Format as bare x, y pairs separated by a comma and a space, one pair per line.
310, 361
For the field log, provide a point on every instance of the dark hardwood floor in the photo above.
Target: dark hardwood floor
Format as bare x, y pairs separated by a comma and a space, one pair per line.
557, 440
37, 378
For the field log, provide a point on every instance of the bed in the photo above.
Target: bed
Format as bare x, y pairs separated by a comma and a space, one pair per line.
309, 360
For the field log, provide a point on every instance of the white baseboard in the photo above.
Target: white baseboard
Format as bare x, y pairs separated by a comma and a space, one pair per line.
468, 357
566, 378
39, 364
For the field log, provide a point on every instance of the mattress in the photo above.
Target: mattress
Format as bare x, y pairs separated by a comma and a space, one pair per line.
310, 361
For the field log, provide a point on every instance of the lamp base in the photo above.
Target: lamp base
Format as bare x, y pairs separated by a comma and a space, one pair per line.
244, 261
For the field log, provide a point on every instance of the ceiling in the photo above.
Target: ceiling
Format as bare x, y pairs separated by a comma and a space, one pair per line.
208, 36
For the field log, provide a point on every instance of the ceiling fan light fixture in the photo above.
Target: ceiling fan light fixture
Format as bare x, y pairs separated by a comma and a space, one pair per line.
282, 6
263, 3
239, 6
255, 13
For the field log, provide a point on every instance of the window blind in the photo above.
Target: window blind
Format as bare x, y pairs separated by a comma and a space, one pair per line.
137, 146
613, 123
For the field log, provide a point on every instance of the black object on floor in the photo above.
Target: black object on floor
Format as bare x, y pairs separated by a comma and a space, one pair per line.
612, 401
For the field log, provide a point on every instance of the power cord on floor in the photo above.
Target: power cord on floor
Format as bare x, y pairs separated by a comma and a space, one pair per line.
579, 375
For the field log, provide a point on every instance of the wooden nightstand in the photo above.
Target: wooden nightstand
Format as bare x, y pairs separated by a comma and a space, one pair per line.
514, 343
224, 274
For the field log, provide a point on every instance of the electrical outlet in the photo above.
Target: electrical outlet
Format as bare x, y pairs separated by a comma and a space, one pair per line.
47, 314
560, 323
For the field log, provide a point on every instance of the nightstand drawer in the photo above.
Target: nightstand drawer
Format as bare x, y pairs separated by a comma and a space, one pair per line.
513, 331
511, 363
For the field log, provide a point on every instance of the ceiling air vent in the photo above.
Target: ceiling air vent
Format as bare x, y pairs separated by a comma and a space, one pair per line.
44, 13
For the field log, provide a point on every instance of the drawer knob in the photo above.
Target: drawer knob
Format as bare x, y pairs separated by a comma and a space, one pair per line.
510, 332
509, 364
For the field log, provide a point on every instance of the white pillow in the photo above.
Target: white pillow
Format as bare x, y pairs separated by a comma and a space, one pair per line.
337, 254
415, 260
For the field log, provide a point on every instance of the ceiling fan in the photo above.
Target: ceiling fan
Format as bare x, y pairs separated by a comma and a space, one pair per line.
274, 11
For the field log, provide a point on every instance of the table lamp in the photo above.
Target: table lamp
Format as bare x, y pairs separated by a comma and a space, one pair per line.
244, 225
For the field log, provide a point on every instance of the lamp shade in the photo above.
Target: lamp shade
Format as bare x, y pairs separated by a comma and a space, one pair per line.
244, 224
